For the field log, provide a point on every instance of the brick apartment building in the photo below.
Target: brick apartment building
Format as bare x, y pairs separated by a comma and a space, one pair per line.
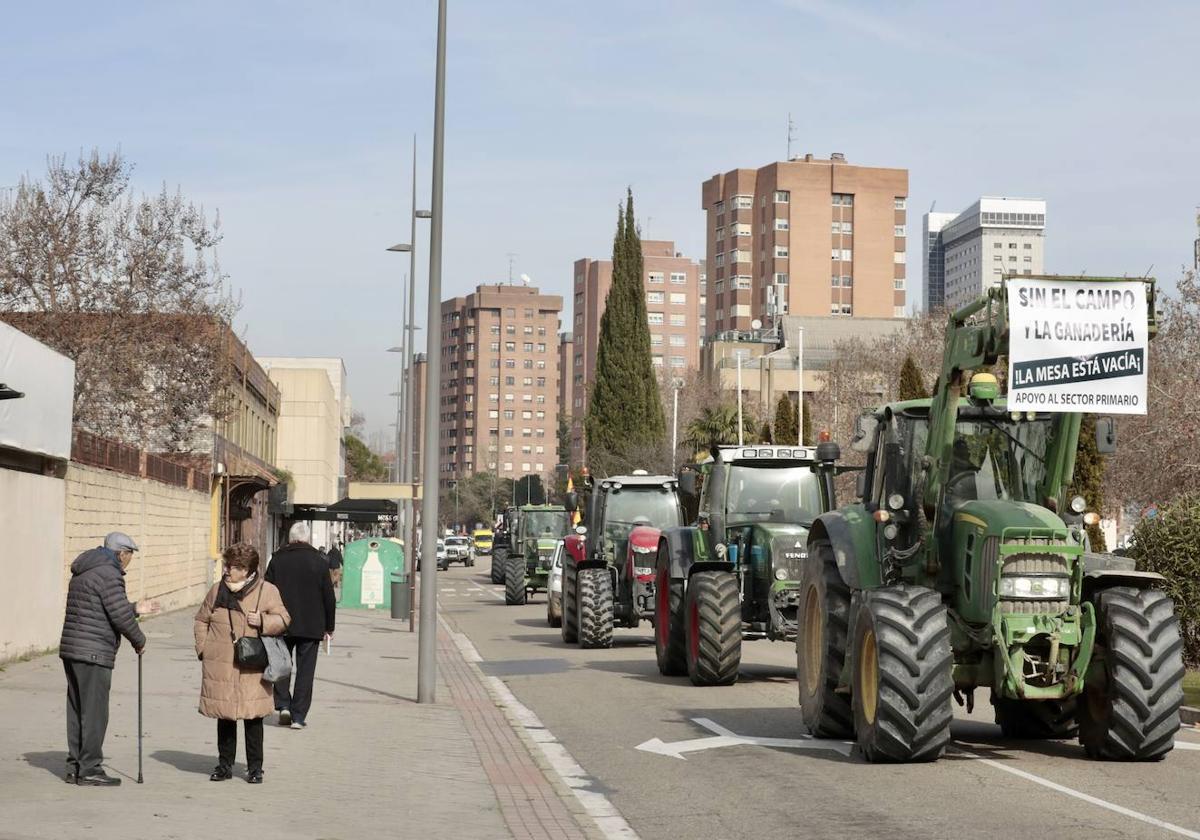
498, 408
675, 306
805, 237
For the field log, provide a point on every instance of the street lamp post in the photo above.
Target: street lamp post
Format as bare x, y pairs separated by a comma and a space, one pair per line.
676, 385
427, 644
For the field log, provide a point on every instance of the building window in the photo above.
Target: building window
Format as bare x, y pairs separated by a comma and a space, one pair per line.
654, 297
656, 360
742, 202
494, 414
997, 258
719, 234
1012, 259
678, 362
900, 231
901, 256
844, 254
898, 284
679, 278
678, 298
843, 200
720, 259
1012, 246
1028, 259
527, 381
997, 244
719, 207
900, 202
510, 346
743, 281
781, 224
740, 310
741, 229
780, 278
898, 312
656, 340
739, 256
781, 252
541, 348
509, 414
678, 320
1028, 246
678, 340
654, 319
655, 277
782, 196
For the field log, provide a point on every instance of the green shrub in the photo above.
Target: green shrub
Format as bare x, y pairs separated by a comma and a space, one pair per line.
1169, 544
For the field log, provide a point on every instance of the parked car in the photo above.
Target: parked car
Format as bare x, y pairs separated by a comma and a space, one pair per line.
554, 588
459, 550
443, 559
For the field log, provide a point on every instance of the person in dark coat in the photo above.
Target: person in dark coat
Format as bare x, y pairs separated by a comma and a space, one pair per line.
335, 564
302, 575
98, 614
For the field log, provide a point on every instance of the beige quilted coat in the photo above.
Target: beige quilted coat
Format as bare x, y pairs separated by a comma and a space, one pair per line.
226, 691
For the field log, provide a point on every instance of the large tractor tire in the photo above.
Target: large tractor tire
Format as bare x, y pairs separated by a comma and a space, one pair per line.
821, 641
595, 608
514, 580
498, 565
670, 646
570, 604
1132, 714
1036, 720
713, 628
902, 675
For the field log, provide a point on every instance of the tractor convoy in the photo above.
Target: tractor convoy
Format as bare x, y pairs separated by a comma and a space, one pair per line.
963, 564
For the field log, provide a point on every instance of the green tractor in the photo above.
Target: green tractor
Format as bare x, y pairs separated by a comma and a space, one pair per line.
734, 575
965, 565
503, 541
527, 567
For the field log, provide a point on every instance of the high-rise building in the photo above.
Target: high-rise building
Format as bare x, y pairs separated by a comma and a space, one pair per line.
674, 306
805, 237
992, 238
498, 408
935, 263
566, 386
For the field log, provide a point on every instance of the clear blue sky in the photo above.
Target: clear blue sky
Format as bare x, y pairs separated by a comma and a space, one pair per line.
295, 119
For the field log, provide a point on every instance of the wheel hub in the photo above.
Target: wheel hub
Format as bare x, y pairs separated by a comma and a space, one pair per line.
814, 629
868, 675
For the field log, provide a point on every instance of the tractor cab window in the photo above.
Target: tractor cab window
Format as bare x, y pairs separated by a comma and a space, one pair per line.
626, 509
766, 492
544, 523
995, 457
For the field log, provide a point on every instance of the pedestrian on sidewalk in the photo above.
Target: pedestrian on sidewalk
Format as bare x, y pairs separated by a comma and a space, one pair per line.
335, 564
240, 604
98, 614
302, 575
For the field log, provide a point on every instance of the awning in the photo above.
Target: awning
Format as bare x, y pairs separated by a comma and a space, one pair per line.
348, 510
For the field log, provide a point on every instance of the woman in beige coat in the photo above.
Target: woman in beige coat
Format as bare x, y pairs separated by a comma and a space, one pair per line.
241, 604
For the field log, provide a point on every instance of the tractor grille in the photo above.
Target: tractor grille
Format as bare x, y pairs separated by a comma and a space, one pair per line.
1035, 564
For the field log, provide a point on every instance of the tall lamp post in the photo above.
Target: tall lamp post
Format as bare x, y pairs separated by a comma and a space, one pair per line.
676, 386
427, 643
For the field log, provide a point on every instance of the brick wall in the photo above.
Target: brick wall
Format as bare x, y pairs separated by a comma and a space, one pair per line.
171, 526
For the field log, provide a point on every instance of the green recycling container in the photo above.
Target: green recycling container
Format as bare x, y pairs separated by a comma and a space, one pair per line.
367, 570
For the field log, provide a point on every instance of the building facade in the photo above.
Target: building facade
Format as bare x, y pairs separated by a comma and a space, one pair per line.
498, 409
805, 237
991, 239
934, 273
675, 308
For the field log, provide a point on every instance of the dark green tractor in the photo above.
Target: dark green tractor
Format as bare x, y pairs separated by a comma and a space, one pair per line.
735, 573
527, 567
965, 565
503, 542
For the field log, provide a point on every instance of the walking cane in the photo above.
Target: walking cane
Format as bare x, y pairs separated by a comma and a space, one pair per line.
139, 778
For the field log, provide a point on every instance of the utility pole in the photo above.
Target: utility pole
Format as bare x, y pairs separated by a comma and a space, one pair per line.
427, 643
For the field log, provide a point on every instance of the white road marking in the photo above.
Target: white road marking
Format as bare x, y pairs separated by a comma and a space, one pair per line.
1187, 745
727, 738
607, 818
1120, 809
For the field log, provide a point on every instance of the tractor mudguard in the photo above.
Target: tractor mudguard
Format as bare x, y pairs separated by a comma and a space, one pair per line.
1100, 571
690, 551
851, 531
576, 548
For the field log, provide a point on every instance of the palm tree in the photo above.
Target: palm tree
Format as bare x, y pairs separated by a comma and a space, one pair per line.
717, 426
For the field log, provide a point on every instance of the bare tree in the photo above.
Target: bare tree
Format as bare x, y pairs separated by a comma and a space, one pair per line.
126, 286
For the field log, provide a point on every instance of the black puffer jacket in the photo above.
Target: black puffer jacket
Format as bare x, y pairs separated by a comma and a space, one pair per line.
98, 610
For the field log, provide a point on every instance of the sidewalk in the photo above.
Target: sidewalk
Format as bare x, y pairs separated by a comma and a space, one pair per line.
372, 763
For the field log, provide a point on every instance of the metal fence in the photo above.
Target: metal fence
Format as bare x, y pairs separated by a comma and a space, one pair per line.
95, 451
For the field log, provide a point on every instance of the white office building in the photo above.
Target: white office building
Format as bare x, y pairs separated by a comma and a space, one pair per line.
935, 262
992, 238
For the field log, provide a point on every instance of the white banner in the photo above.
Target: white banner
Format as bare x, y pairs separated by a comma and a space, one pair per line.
1077, 345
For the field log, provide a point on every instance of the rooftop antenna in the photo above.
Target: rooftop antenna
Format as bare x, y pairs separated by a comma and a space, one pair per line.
511, 256
791, 135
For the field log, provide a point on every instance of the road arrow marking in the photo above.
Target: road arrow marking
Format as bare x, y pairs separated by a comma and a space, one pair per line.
726, 738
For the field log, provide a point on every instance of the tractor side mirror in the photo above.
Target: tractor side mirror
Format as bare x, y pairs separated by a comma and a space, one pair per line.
1106, 435
571, 502
687, 483
864, 428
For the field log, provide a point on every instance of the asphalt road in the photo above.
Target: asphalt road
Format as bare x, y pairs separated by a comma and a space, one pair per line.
603, 704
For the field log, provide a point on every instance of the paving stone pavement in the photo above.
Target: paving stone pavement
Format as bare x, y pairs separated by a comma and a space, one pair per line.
372, 762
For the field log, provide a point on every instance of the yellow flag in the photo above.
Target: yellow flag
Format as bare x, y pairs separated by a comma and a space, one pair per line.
576, 516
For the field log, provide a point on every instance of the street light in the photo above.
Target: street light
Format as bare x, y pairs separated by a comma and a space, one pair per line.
676, 387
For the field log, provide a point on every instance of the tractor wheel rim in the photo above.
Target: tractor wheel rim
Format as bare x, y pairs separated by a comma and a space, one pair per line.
814, 629
868, 675
694, 621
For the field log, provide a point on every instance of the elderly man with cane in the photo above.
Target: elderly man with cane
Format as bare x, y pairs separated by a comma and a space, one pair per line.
98, 614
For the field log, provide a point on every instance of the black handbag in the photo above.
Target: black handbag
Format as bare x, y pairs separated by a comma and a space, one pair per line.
249, 652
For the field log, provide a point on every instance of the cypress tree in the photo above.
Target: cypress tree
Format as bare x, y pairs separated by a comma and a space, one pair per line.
1088, 480
807, 421
912, 384
764, 435
624, 410
785, 421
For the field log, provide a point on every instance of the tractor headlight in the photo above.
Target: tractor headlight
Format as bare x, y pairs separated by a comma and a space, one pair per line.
1078, 504
781, 574
1018, 586
895, 501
